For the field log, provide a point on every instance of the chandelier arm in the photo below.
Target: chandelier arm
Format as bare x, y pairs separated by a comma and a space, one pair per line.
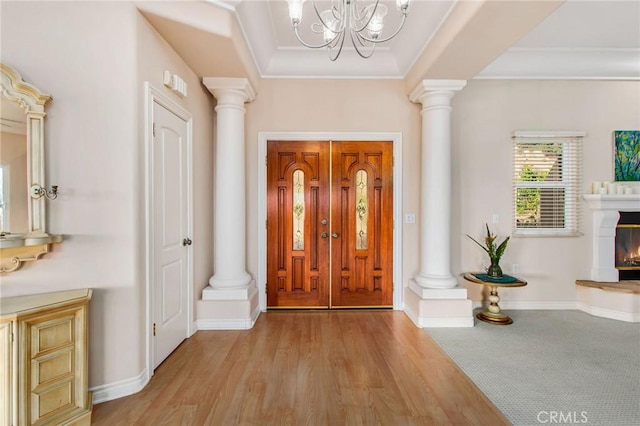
311, 46
324, 24
336, 13
352, 33
341, 37
360, 39
376, 41
358, 18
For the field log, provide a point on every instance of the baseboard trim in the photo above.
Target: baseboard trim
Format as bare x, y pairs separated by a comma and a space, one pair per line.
609, 313
566, 306
412, 315
533, 306
229, 324
438, 322
111, 391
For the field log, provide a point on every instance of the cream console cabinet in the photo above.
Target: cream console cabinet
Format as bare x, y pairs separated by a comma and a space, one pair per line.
43, 355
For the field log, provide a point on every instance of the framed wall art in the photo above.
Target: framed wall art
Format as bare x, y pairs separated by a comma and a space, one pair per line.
626, 154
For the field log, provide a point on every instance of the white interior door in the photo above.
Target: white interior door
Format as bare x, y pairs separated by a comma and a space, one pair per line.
170, 228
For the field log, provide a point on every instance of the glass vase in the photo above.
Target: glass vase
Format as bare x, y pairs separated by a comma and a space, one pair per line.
494, 269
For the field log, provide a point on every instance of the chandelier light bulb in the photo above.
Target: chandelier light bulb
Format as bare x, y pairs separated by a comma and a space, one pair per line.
329, 26
376, 24
402, 5
295, 11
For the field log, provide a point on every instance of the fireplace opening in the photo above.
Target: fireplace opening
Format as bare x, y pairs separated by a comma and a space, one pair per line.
627, 255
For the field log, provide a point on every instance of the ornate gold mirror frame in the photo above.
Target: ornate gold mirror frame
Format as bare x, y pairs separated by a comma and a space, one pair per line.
16, 248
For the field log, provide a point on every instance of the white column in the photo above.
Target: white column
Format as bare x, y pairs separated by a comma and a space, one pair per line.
435, 237
230, 279
434, 298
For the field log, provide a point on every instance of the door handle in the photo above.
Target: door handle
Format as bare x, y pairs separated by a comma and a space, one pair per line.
335, 235
186, 242
324, 235
324, 221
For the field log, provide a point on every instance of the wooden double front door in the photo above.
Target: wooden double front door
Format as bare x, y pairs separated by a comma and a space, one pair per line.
329, 224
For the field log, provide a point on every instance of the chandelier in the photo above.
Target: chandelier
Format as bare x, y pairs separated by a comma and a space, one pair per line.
364, 20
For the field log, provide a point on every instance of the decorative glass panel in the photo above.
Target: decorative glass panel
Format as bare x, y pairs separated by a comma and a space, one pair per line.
298, 210
361, 210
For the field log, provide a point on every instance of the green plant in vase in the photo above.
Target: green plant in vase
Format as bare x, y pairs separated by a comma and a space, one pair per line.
494, 251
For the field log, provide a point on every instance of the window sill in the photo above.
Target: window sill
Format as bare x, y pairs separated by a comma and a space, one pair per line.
545, 234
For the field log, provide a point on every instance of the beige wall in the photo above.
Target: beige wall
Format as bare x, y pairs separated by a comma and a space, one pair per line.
155, 56
335, 106
94, 57
484, 115
84, 55
13, 153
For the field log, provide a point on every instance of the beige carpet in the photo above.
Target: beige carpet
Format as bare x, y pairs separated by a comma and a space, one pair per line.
553, 367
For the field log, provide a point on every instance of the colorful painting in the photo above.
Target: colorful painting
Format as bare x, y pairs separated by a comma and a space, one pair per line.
627, 155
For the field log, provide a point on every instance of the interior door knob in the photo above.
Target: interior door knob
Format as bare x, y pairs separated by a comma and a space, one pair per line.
187, 242
324, 235
335, 235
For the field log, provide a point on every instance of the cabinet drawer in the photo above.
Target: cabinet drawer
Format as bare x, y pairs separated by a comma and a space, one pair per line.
52, 368
51, 401
52, 334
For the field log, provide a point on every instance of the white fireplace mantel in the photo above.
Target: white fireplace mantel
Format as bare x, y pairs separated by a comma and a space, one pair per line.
606, 212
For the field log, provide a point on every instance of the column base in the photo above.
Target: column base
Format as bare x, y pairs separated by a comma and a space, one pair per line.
240, 282
212, 293
448, 307
433, 281
231, 309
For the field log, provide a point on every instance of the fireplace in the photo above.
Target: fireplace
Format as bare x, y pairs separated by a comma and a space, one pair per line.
627, 246
608, 264
611, 293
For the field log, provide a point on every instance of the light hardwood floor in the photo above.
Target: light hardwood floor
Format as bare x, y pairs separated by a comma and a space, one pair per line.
308, 368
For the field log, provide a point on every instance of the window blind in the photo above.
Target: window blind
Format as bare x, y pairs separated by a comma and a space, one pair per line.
547, 174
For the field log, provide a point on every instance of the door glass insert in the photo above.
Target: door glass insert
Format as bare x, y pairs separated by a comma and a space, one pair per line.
361, 210
298, 210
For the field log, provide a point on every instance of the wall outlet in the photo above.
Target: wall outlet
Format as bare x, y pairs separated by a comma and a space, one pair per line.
496, 218
410, 218
515, 268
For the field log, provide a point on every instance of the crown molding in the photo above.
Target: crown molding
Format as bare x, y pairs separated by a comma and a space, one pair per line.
565, 64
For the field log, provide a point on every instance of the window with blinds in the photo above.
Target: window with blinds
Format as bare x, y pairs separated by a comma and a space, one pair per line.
547, 170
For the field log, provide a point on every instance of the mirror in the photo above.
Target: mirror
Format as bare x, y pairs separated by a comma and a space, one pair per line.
23, 194
14, 210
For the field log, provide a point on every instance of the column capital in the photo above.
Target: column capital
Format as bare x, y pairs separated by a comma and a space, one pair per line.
426, 87
221, 86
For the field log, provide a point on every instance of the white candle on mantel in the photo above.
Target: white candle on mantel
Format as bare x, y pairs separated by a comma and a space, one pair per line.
628, 191
620, 190
611, 188
595, 187
602, 191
